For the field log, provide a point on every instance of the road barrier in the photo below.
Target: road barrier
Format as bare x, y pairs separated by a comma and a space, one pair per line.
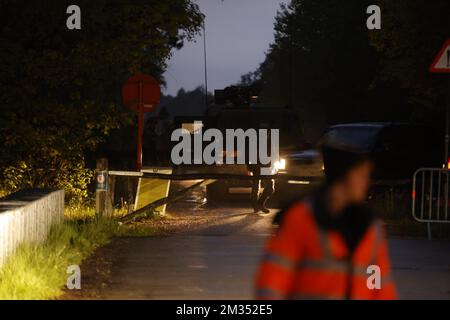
151, 190
26, 216
158, 179
430, 196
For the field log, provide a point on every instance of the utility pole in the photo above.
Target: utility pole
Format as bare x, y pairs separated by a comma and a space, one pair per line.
205, 64
291, 68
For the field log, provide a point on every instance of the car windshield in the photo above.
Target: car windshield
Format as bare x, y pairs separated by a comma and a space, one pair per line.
359, 137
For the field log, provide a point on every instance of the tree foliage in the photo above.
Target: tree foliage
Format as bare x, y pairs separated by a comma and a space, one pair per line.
412, 33
325, 62
60, 88
320, 61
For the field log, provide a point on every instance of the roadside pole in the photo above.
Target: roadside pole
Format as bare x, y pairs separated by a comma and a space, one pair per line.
103, 205
141, 93
441, 64
140, 128
447, 121
446, 164
447, 140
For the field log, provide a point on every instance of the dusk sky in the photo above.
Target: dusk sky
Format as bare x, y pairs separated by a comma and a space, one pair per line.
238, 33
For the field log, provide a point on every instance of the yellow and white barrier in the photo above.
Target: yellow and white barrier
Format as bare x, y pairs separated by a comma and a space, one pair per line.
150, 190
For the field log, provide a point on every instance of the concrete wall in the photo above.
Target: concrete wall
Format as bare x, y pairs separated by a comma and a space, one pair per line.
27, 216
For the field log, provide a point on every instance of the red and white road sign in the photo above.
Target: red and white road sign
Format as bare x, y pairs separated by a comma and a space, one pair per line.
441, 63
141, 90
141, 93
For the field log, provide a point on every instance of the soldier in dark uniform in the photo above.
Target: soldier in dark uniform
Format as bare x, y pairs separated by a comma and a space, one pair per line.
258, 198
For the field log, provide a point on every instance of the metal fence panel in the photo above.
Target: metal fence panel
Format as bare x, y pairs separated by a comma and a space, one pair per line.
430, 196
27, 216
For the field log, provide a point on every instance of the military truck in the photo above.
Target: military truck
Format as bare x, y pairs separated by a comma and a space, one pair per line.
238, 108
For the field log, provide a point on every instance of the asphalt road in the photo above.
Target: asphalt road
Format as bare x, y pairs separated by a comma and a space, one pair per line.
218, 259
213, 262
219, 262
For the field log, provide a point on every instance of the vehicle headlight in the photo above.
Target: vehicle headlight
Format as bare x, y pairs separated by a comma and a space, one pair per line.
280, 164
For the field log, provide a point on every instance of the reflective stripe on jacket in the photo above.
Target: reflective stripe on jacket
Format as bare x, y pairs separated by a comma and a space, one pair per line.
302, 261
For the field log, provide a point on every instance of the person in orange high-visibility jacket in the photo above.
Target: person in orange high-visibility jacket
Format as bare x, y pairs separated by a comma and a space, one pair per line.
329, 246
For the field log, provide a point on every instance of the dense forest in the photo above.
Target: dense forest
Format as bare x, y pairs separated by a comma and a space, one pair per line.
60, 90
325, 62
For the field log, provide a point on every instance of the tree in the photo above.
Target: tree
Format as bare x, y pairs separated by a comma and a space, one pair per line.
412, 33
186, 103
322, 63
60, 91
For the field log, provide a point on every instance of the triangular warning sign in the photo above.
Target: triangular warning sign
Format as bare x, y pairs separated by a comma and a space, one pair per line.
442, 61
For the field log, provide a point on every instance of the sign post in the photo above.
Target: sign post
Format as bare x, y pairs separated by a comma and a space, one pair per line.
141, 93
140, 128
441, 64
447, 124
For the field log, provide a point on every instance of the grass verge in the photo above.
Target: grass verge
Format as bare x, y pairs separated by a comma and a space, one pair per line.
39, 270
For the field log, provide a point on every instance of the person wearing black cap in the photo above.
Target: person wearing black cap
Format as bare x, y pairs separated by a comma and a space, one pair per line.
329, 245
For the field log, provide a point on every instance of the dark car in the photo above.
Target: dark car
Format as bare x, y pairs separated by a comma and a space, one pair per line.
399, 149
